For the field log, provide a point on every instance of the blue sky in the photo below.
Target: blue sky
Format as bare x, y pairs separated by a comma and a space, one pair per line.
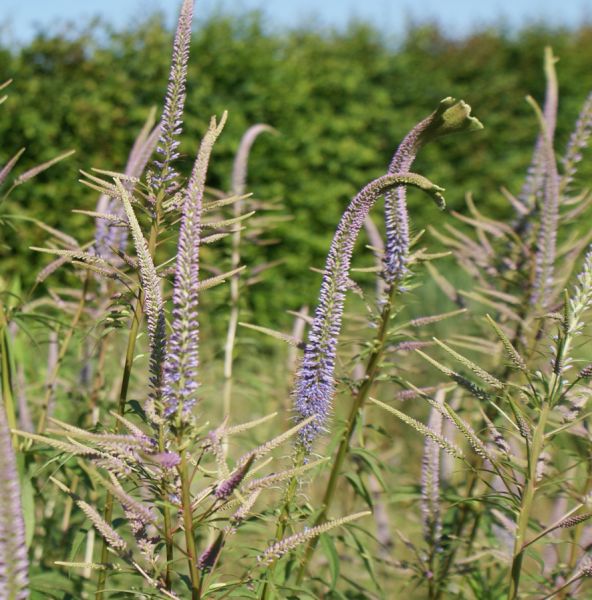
19, 18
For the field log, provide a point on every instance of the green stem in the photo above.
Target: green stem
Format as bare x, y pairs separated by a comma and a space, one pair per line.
65, 345
460, 523
6, 374
127, 371
282, 523
188, 527
562, 589
344, 445
579, 530
538, 441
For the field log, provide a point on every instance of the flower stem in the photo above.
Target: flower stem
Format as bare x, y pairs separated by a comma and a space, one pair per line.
283, 520
65, 345
188, 527
6, 375
538, 441
344, 445
127, 371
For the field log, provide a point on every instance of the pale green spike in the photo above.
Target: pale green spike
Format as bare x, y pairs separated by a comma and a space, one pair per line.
469, 364
278, 335
42, 167
512, 353
210, 282
279, 549
268, 480
57, 444
421, 428
240, 428
468, 433
429, 320
277, 441
448, 372
212, 205
227, 222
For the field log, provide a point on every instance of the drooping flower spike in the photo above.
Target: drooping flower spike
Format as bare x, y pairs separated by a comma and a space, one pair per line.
239, 167
451, 116
315, 382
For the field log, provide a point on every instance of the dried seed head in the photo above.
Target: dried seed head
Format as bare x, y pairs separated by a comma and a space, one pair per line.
226, 487
573, 521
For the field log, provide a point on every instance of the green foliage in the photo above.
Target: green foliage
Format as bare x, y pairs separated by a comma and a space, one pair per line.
339, 100
487, 497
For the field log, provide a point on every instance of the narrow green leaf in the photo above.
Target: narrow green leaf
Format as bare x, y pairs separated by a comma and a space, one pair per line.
330, 551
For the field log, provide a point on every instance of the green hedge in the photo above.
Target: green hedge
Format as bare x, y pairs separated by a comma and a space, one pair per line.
341, 102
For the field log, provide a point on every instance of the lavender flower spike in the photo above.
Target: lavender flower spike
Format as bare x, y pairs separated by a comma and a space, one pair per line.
451, 116
315, 383
546, 246
172, 116
14, 565
182, 354
535, 177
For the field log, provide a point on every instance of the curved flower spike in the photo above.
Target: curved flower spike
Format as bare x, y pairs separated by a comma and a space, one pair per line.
315, 383
451, 116
239, 167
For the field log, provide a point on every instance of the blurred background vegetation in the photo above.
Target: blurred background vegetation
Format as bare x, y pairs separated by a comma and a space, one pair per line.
341, 102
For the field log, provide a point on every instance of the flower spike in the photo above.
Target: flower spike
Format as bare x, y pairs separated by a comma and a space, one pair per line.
315, 382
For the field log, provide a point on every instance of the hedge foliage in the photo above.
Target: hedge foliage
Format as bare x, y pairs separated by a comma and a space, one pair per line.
340, 100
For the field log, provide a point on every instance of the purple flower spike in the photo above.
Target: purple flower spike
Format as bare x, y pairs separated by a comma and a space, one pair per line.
315, 382
209, 556
172, 116
450, 117
167, 460
226, 487
14, 565
182, 355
